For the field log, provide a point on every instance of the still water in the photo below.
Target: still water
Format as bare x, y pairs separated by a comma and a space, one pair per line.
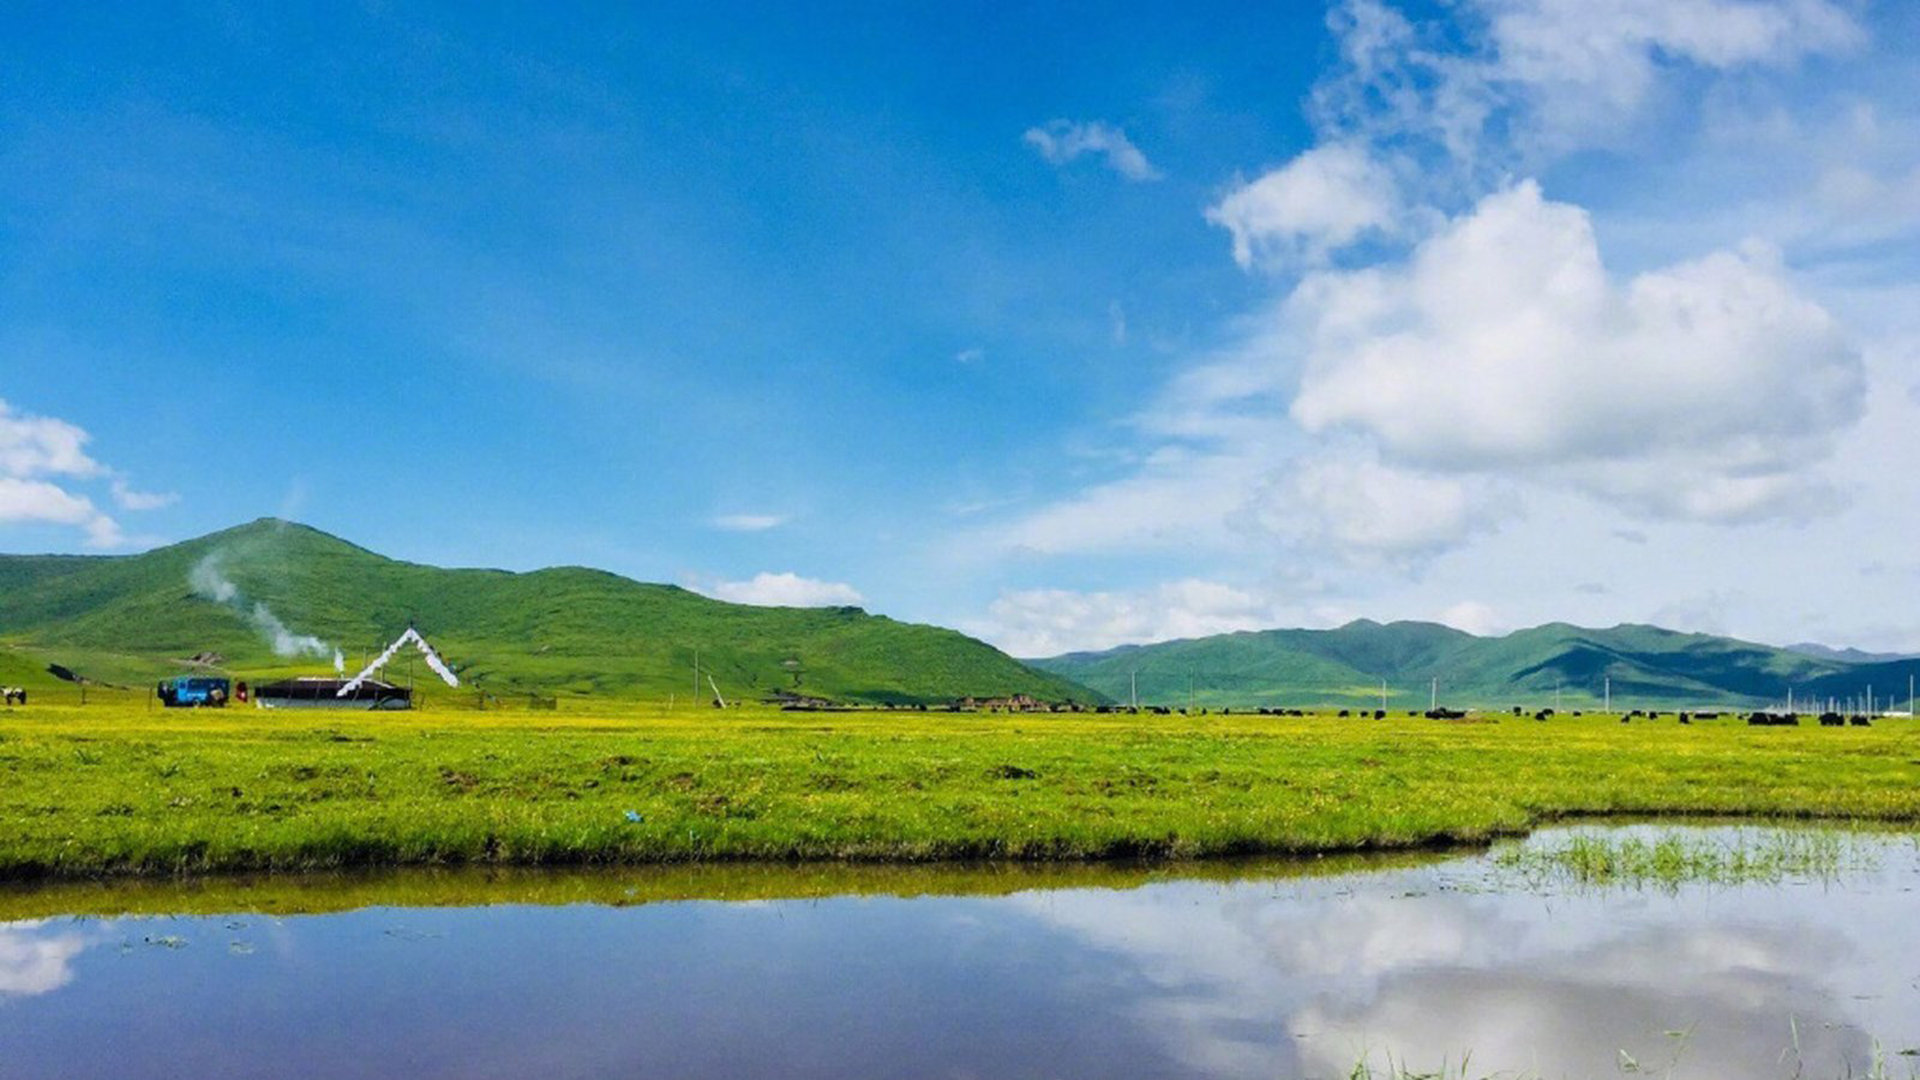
1269, 970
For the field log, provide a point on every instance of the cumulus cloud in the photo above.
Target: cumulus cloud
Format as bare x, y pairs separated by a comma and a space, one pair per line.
41, 458
1044, 622
1700, 391
1517, 82
1319, 202
1452, 353
1354, 504
786, 590
749, 522
36, 958
1061, 141
1587, 67
1474, 617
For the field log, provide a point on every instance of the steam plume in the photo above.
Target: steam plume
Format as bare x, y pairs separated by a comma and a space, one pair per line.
208, 582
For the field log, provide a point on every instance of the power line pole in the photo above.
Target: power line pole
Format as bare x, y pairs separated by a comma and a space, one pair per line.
1133, 688
1609, 708
1433, 695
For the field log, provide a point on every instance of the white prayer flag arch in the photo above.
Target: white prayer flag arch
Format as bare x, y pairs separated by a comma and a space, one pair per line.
438, 665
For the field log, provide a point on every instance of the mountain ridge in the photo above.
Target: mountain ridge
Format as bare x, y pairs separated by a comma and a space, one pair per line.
274, 597
1422, 662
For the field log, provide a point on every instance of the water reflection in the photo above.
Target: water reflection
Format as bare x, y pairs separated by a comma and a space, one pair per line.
35, 957
1113, 974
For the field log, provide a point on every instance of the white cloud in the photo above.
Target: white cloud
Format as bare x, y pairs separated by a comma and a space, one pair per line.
1702, 391
786, 590
1474, 617
1319, 202
1519, 81
126, 498
33, 962
1045, 622
1587, 67
970, 356
749, 522
1062, 141
40, 458
25, 502
1179, 498
1358, 506
42, 446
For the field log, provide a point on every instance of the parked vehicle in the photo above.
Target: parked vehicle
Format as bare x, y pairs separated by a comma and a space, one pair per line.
194, 692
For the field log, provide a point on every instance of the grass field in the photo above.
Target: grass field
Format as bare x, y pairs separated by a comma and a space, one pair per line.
114, 788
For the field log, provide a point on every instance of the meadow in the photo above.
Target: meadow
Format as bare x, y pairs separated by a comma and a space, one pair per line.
113, 787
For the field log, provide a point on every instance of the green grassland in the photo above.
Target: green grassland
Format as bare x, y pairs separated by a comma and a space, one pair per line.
115, 788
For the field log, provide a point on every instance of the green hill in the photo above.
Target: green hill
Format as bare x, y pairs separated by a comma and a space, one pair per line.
1648, 666
566, 630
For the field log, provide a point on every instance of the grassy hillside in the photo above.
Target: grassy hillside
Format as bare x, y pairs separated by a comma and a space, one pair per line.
566, 630
1648, 666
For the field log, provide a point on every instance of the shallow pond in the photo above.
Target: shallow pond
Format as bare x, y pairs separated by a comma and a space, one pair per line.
1517, 966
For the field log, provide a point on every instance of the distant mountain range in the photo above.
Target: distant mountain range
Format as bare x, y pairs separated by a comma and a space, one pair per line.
1848, 655
274, 597
1647, 666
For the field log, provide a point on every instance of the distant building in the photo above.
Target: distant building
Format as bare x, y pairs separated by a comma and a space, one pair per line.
1013, 703
325, 692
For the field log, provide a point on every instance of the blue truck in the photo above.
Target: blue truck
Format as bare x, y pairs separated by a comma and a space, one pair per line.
194, 692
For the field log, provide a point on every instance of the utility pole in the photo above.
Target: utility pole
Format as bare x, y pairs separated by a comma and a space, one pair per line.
1189, 689
1433, 695
1609, 708
1133, 688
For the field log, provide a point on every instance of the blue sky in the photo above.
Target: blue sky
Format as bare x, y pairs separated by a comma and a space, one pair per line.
1067, 326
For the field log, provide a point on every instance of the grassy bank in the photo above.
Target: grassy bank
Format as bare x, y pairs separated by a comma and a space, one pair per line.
118, 789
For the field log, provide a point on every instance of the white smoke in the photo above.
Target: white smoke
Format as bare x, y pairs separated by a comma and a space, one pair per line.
208, 582
284, 641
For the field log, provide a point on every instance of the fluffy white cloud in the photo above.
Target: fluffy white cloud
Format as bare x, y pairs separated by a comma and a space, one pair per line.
1317, 203
40, 458
1368, 510
39, 502
1474, 617
1044, 622
1703, 390
749, 522
1587, 67
786, 590
42, 446
35, 961
1064, 140
1527, 80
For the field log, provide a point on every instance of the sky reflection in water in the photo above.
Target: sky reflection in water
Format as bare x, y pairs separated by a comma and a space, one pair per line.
1259, 977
